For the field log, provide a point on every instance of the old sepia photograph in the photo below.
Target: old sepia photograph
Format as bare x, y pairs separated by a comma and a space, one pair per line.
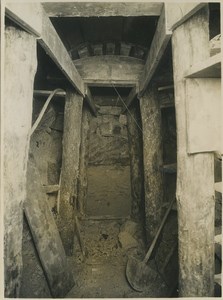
111, 149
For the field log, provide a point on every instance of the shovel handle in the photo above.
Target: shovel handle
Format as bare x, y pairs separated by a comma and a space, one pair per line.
148, 254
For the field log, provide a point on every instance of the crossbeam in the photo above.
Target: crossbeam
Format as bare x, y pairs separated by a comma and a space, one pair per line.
33, 18
102, 9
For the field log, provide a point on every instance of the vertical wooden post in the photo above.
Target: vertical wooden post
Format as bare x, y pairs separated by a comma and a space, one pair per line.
84, 152
152, 156
136, 161
70, 168
20, 69
195, 173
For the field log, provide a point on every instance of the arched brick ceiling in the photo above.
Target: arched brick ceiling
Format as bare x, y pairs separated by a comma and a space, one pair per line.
131, 36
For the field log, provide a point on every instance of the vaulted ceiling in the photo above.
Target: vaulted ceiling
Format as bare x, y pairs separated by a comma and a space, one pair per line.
87, 36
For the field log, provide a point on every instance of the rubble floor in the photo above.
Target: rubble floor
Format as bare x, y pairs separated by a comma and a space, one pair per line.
101, 273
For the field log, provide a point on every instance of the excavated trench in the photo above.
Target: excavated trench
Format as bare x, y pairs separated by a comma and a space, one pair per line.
111, 216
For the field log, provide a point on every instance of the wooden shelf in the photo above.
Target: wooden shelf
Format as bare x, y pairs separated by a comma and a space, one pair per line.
218, 187
217, 278
49, 189
210, 68
170, 168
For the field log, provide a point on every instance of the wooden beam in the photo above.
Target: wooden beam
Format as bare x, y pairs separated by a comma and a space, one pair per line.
33, 19
218, 187
44, 93
152, 160
157, 49
132, 95
90, 101
70, 169
110, 69
178, 13
91, 9
195, 173
46, 236
49, 189
209, 68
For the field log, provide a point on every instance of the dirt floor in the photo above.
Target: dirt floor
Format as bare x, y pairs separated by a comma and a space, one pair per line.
101, 273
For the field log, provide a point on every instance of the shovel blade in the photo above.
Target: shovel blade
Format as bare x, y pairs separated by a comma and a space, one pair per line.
139, 274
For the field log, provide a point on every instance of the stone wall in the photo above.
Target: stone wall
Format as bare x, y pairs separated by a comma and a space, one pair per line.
109, 188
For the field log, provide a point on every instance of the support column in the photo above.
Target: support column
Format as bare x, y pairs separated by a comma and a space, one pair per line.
136, 161
152, 160
195, 173
70, 168
20, 69
84, 153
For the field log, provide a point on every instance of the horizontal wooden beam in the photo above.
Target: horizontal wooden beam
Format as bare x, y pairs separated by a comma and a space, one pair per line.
47, 93
157, 49
210, 68
178, 13
33, 18
218, 187
49, 189
132, 95
90, 101
103, 9
110, 69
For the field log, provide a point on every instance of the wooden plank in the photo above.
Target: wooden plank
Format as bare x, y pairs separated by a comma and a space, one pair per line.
132, 95
46, 236
33, 18
178, 13
203, 111
152, 160
104, 9
210, 68
157, 49
70, 168
195, 173
218, 187
217, 278
170, 168
47, 93
90, 101
107, 69
165, 88
83, 164
49, 189
136, 161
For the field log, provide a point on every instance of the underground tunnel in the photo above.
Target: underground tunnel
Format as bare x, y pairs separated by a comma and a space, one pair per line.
118, 185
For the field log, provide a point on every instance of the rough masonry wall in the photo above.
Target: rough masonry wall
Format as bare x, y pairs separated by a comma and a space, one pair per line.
109, 188
20, 58
136, 161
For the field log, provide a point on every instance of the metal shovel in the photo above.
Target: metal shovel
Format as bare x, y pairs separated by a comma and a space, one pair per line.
139, 274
